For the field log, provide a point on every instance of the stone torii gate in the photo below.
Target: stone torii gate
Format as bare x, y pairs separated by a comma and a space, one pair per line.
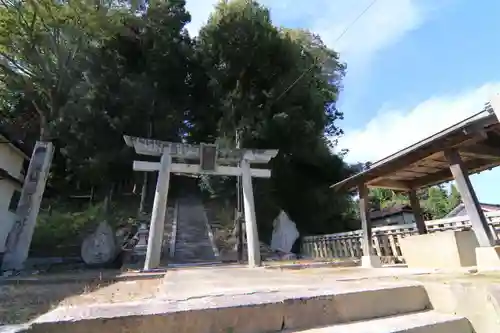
199, 159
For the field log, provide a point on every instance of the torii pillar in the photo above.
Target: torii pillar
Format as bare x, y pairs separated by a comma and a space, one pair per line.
253, 244
155, 238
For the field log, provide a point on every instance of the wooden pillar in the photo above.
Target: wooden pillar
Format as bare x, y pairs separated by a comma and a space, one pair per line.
157, 225
476, 215
253, 245
366, 226
417, 212
369, 259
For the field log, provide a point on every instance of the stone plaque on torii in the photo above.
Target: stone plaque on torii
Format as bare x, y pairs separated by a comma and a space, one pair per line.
206, 159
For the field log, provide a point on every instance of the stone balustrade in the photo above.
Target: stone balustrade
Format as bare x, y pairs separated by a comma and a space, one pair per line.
385, 239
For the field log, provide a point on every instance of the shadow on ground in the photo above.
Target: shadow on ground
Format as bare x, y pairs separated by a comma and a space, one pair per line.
26, 298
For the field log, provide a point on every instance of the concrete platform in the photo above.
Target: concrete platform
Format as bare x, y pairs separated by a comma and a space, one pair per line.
192, 299
215, 299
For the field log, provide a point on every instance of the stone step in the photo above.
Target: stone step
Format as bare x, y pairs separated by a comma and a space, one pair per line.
421, 322
292, 309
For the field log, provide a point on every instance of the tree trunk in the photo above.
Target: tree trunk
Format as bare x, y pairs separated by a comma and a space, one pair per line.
108, 201
144, 191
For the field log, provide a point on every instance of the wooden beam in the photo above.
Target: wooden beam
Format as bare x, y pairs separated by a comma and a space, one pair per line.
366, 226
446, 175
417, 212
409, 173
196, 169
389, 184
481, 151
479, 223
449, 138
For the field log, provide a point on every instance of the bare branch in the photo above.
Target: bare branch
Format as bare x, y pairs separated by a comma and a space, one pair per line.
13, 62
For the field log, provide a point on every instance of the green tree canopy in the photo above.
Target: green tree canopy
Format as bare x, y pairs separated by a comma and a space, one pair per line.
436, 201
93, 71
250, 65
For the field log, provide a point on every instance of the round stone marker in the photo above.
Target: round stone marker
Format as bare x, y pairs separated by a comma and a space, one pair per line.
99, 248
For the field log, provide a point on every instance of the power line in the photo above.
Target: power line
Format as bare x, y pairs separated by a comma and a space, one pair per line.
349, 26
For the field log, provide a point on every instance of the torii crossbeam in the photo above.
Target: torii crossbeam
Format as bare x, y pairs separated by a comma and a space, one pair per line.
203, 159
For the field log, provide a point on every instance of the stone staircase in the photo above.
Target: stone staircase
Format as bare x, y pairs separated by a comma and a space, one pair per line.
394, 308
193, 240
404, 309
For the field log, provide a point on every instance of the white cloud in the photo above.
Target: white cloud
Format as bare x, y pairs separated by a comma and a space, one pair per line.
395, 129
384, 24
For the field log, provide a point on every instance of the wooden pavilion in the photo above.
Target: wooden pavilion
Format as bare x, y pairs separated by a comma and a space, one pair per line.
470, 146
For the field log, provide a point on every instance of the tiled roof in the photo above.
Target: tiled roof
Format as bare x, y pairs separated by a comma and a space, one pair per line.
388, 211
20, 131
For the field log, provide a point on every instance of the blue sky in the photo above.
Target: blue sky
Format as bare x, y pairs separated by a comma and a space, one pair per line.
414, 67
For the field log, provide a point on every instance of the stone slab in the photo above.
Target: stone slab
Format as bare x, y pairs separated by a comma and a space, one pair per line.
488, 257
294, 308
226, 280
428, 322
456, 249
478, 302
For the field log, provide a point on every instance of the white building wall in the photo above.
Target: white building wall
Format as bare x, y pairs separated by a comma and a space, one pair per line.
11, 160
388, 220
396, 219
408, 218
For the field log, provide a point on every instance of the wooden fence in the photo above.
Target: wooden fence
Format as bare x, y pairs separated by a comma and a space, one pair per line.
385, 239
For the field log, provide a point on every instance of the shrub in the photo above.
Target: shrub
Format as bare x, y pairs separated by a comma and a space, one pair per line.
61, 229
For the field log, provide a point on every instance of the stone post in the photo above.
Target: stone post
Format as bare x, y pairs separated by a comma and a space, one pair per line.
157, 225
253, 244
19, 239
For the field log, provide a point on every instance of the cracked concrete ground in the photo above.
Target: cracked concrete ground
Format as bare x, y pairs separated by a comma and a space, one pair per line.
210, 281
185, 287
24, 302
231, 297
